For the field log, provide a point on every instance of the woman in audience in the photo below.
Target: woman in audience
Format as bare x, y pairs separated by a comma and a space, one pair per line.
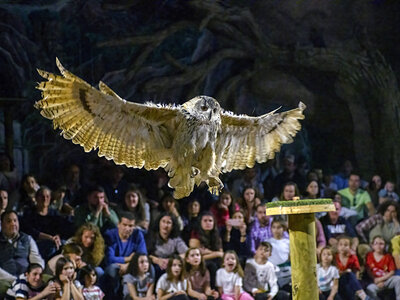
248, 202
88, 236
385, 223
136, 204
26, 198
45, 225
192, 219
207, 238
164, 241
169, 204
312, 190
234, 236
289, 191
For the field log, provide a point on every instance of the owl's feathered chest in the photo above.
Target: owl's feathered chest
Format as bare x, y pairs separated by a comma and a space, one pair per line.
194, 135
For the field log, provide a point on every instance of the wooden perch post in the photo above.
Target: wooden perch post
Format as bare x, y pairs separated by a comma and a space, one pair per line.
303, 257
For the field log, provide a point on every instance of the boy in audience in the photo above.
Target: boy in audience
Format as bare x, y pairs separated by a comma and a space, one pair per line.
72, 251
280, 254
380, 268
259, 275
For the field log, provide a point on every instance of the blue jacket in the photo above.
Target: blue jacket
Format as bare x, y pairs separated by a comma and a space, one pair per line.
116, 251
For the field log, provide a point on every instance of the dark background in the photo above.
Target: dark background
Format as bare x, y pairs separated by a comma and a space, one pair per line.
341, 58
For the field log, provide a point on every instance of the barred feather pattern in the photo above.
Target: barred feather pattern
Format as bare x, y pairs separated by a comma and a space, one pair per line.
194, 142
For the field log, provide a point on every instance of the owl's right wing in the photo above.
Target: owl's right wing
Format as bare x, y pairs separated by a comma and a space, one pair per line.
244, 140
137, 135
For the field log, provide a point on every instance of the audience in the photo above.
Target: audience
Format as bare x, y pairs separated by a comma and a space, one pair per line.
380, 268
357, 199
17, 250
96, 210
122, 244
108, 251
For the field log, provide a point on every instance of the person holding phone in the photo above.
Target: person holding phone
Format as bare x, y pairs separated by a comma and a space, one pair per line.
235, 236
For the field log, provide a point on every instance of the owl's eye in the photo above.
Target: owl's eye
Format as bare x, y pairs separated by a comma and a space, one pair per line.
204, 108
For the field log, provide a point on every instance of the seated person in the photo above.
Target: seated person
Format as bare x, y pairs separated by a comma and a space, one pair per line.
45, 225
71, 251
234, 236
356, 198
96, 210
259, 275
280, 254
261, 228
30, 286
164, 242
122, 244
17, 250
134, 202
385, 222
388, 193
334, 225
380, 268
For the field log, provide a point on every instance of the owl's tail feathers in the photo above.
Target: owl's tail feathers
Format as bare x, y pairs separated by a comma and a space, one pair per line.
181, 180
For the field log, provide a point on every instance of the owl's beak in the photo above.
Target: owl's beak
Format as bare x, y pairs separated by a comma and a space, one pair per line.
210, 115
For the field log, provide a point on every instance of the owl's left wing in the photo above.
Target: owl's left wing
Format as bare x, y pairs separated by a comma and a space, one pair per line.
244, 140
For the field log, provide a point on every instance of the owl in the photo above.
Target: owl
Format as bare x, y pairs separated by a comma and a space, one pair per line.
194, 142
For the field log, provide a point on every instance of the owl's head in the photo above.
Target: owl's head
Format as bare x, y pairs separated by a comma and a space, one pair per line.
203, 108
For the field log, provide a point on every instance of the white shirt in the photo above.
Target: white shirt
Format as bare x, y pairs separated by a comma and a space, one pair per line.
227, 281
169, 286
261, 277
280, 251
326, 277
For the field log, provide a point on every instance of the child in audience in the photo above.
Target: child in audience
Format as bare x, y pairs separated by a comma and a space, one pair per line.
327, 276
229, 278
224, 208
198, 276
139, 282
88, 278
349, 269
31, 286
280, 254
173, 285
259, 275
380, 268
65, 280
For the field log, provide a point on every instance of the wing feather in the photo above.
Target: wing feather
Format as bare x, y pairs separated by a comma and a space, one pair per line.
130, 133
244, 140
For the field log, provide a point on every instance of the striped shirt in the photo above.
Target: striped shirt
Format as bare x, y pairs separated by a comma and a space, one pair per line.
20, 288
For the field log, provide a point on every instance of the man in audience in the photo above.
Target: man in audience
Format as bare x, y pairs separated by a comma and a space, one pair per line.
122, 243
261, 229
17, 250
335, 225
289, 173
96, 210
356, 198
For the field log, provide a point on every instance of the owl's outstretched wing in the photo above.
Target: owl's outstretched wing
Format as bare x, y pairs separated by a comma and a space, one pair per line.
244, 140
137, 135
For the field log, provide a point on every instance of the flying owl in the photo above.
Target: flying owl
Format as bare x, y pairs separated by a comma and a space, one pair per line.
194, 142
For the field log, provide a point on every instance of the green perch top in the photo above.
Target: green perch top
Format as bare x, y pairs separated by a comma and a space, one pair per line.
299, 202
